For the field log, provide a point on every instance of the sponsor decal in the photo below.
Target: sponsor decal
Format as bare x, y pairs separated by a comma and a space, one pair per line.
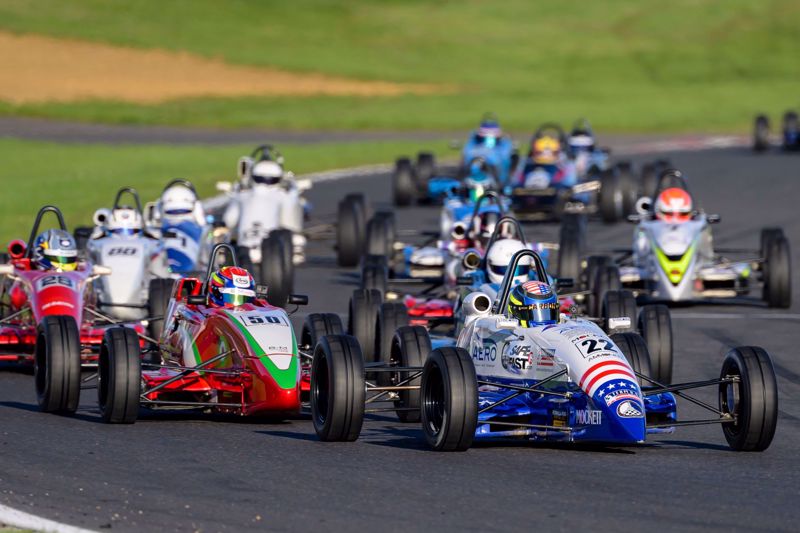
629, 409
617, 395
517, 358
65, 243
241, 281
588, 417
486, 352
547, 358
55, 281
560, 418
622, 322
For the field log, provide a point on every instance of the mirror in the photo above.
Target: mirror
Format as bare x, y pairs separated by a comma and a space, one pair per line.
464, 281
713, 219
196, 299
298, 299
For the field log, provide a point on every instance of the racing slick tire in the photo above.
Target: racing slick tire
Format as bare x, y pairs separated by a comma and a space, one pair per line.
635, 351
571, 242
273, 272
57, 364
363, 311
350, 231
767, 236
285, 237
337, 389
318, 325
449, 399
593, 262
375, 276
410, 346
243, 259
403, 184
426, 167
761, 133
655, 327
159, 293
650, 176
777, 271
618, 304
391, 315
791, 123
606, 278
753, 400
629, 188
610, 198
380, 235
119, 375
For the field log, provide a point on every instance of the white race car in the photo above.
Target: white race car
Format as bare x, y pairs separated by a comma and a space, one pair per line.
265, 215
135, 256
673, 257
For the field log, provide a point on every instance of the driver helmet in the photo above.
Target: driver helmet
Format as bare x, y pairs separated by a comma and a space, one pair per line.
674, 205
231, 286
546, 150
533, 303
55, 249
125, 221
266, 173
489, 131
178, 200
499, 256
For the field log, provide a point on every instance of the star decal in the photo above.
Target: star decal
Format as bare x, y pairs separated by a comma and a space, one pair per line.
610, 386
601, 391
622, 383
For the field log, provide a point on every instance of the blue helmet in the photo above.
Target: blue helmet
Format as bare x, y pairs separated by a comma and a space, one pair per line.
55, 249
489, 131
533, 303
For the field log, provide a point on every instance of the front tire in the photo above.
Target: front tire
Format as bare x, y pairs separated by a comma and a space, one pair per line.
119, 376
273, 272
363, 311
753, 401
337, 389
318, 325
777, 267
403, 184
449, 400
618, 304
409, 348
158, 295
350, 231
57, 365
635, 351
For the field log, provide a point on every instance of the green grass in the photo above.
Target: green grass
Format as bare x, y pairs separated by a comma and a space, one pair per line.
81, 178
649, 65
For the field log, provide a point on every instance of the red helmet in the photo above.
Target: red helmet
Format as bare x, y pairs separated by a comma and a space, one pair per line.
231, 287
674, 205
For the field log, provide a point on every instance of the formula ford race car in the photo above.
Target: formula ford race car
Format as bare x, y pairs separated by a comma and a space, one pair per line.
50, 316
560, 381
241, 359
790, 138
673, 258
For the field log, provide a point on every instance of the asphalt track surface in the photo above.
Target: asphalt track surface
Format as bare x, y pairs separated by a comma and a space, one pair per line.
185, 472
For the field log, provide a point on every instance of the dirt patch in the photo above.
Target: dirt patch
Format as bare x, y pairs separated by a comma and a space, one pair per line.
35, 69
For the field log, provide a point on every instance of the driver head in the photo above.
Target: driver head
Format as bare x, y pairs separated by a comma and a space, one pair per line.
55, 249
125, 221
178, 200
533, 303
266, 173
231, 286
498, 257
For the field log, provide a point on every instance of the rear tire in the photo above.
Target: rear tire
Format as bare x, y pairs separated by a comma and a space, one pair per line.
617, 304
318, 325
285, 237
391, 316
761, 133
606, 279
350, 231
375, 276
610, 197
449, 399
119, 376
629, 188
426, 167
777, 268
403, 184
158, 295
363, 312
753, 401
571, 244
273, 271
380, 235
57, 365
410, 347
655, 327
635, 351
337, 389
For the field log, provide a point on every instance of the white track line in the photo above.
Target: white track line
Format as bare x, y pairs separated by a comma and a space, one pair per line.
19, 519
736, 316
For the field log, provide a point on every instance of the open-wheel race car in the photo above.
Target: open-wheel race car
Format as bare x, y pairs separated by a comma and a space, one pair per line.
223, 349
49, 312
532, 374
790, 134
673, 257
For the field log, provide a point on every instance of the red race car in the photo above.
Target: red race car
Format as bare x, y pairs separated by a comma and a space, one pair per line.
48, 313
223, 349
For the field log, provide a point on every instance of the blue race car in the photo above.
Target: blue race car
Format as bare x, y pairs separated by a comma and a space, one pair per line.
521, 370
429, 184
790, 139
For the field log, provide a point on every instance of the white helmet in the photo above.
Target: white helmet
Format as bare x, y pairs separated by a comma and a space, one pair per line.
266, 173
499, 255
124, 221
178, 199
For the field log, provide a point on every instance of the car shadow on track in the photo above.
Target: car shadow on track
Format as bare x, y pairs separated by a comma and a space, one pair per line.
33, 408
